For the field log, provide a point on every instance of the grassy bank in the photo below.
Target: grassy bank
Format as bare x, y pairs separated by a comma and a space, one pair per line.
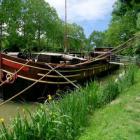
120, 120
66, 119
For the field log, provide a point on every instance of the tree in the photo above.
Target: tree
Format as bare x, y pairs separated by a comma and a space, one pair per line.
13, 12
96, 39
76, 38
124, 22
34, 25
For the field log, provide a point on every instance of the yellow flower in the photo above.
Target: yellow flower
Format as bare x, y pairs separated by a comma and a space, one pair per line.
49, 97
1, 120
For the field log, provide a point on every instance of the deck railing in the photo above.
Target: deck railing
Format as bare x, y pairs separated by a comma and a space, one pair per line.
124, 59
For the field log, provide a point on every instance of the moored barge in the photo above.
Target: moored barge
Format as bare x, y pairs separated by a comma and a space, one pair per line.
49, 72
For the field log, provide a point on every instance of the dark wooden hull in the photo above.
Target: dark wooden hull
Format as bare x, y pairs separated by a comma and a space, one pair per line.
38, 92
31, 72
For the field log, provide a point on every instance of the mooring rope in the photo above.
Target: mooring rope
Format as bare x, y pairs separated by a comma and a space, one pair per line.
62, 76
116, 48
102, 56
117, 51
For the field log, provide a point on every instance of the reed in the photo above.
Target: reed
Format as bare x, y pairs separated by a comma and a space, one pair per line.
128, 78
66, 118
108, 93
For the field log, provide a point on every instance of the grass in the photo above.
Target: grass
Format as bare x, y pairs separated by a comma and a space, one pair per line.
67, 118
120, 120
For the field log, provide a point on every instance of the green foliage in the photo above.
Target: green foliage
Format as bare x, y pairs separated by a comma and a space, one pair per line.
124, 24
34, 24
109, 93
76, 38
119, 120
113, 89
128, 79
96, 39
136, 45
121, 30
138, 21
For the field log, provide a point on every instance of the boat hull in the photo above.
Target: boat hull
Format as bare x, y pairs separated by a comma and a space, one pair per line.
47, 78
40, 91
36, 93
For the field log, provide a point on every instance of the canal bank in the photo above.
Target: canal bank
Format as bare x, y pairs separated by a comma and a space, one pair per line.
119, 120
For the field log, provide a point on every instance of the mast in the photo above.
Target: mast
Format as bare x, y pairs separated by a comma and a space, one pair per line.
0, 49
0, 36
66, 30
1, 27
1, 31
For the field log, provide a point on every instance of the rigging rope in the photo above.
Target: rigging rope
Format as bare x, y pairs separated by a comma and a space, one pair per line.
62, 76
116, 48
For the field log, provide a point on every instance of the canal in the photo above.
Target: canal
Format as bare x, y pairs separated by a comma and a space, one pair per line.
9, 110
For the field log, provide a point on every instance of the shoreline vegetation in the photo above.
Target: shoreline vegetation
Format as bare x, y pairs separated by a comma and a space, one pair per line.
34, 26
68, 117
119, 120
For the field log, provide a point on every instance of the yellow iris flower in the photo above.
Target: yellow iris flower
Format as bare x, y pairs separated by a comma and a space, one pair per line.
49, 97
1, 120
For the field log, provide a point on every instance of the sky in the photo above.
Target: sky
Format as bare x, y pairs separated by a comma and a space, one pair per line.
90, 14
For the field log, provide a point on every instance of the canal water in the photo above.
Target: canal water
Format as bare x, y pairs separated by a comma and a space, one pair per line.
9, 110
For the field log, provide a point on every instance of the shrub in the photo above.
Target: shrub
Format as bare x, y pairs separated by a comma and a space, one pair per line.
108, 93
128, 79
